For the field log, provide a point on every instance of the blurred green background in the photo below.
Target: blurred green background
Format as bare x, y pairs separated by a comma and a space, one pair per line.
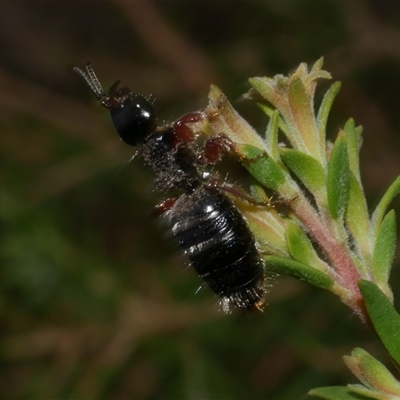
95, 302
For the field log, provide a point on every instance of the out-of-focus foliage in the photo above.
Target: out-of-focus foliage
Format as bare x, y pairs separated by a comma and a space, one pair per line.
94, 301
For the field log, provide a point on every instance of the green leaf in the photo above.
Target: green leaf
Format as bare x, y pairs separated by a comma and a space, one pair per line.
315, 73
335, 393
354, 141
301, 248
257, 191
325, 108
267, 227
372, 373
307, 169
317, 65
387, 198
357, 218
269, 111
300, 102
385, 247
384, 317
298, 270
364, 392
262, 167
338, 178
266, 87
223, 118
271, 135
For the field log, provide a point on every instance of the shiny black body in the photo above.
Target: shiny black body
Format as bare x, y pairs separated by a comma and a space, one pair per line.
209, 228
137, 115
219, 245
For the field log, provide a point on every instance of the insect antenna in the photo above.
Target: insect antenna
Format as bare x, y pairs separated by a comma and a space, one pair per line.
92, 81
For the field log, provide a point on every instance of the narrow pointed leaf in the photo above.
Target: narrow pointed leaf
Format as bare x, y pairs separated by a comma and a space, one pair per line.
269, 89
371, 372
387, 198
257, 191
271, 135
385, 247
318, 65
223, 118
302, 113
363, 392
269, 111
338, 178
357, 217
262, 167
298, 270
384, 317
313, 76
325, 108
301, 248
306, 168
335, 393
267, 227
354, 141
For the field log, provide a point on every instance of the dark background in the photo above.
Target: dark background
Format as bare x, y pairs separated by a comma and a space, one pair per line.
94, 302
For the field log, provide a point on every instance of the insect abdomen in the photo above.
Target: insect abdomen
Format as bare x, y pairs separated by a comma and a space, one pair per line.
220, 246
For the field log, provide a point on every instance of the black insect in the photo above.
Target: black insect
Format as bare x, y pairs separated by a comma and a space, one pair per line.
209, 228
